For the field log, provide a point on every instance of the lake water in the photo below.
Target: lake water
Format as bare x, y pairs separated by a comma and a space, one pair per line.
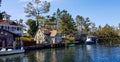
79, 53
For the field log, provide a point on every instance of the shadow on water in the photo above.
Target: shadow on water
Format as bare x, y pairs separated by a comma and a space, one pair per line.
79, 53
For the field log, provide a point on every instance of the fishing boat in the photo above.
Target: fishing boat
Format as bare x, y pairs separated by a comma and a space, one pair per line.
91, 40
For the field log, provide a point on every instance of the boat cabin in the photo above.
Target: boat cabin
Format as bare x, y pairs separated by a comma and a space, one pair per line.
91, 40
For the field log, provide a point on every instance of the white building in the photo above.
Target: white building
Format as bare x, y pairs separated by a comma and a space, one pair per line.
9, 30
10, 25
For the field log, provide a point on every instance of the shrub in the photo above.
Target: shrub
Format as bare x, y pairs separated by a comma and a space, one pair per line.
28, 41
68, 40
110, 39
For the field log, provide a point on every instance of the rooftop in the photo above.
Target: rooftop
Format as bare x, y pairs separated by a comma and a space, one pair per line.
4, 22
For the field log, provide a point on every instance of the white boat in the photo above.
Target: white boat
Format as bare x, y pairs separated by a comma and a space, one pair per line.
91, 40
3, 51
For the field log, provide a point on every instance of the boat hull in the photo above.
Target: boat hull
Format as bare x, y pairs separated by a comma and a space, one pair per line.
11, 52
90, 43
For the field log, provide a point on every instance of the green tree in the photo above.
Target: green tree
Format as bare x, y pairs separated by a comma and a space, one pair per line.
93, 28
31, 27
41, 20
67, 23
36, 7
99, 31
79, 22
21, 21
50, 22
106, 31
56, 15
86, 25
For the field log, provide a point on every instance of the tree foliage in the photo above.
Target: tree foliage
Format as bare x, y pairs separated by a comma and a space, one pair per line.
67, 23
50, 22
83, 24
79, 22
32, 27
56, 15
62, 21
86, 25
36, 7
106, 31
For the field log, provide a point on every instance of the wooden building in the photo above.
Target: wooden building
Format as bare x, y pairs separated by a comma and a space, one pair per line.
9, 30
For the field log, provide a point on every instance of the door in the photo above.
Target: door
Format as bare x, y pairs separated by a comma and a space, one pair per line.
3, 42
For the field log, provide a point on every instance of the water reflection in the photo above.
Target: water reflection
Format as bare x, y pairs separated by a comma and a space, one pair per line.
12, 58
80, 53
52, 55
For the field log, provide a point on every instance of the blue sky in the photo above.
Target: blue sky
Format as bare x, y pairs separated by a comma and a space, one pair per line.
100, 12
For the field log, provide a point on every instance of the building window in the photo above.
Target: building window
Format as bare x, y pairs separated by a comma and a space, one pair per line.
12, 28
5, 27
1, 27
18, 29
8, 27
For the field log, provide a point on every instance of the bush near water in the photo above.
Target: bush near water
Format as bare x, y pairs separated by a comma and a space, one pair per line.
106, 40
28, 41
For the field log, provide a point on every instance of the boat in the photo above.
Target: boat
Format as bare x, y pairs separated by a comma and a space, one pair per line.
91, 40
71, 45
3, 51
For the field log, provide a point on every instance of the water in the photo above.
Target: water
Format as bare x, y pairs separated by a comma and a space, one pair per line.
79, 53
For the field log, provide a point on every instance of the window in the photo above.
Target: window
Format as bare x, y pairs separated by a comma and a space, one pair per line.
8, 27
5, 27
18, 29
1, 27
12, 28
